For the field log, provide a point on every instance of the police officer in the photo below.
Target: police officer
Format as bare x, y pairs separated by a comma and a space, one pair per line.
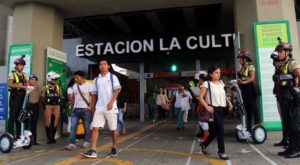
17, 82
246, 82
287, 70
51, 94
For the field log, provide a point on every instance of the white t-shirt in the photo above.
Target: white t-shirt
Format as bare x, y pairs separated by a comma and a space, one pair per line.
218, 96
185, 100
70, 91
105, 92
86, 89
178, 99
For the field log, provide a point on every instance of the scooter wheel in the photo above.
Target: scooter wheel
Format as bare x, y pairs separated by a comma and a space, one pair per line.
30, 143
237, 136
6, 143
259, 134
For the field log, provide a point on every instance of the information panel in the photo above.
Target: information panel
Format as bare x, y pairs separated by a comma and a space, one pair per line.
266, 34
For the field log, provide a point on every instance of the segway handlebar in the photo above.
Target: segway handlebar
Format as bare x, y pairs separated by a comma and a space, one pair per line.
234, 83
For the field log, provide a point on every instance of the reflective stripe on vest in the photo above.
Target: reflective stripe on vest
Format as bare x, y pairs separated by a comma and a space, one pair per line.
17, 78
247, 71
245, 75
48, 92
285, 71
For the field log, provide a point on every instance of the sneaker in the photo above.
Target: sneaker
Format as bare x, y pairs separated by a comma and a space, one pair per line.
86, 144
71, 147
113, 152
90, 154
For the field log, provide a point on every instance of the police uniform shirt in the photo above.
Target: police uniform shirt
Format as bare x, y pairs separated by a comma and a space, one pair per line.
34, 96
11, 75
294, 65
43, 91
251, 68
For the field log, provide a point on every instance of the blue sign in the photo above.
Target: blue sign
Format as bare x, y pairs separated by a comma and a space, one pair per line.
3, 101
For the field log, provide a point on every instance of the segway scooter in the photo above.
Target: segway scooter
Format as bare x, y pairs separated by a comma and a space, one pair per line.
7, 142
257, 133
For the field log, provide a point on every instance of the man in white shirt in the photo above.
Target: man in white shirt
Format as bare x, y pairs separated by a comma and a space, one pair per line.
177, 96
186, 100
80, 106
107, 88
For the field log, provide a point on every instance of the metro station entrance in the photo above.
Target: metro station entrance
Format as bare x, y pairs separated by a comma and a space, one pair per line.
152, 48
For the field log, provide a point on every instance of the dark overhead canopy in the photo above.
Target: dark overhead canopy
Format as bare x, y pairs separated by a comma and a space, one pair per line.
204, 19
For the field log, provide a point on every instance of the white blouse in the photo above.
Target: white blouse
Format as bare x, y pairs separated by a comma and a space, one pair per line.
218, 96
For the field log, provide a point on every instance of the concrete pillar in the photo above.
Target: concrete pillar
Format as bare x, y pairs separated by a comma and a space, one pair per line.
43, 26
5, 12
142, 93
248, 12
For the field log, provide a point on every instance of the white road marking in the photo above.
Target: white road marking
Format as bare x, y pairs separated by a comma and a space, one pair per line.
228, 162
145, 137
263, 155
17, 161
244, 151
188, 162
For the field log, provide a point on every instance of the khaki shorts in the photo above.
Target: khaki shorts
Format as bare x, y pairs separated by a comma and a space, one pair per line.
101, 117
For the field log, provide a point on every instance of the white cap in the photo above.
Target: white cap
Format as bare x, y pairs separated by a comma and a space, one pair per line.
52, 76
200, 72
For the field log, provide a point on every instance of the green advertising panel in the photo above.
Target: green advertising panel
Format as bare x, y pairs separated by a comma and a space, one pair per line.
16, 51
266, 34
57, 62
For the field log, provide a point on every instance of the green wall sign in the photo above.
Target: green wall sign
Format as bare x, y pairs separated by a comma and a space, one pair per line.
266, 34
57, 62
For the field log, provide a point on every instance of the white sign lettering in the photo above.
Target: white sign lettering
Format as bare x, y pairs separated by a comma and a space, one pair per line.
155, 45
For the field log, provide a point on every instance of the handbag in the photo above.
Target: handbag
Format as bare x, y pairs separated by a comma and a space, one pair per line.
204, 115
166, 106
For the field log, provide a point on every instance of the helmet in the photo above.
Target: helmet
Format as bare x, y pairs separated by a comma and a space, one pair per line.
20, 60
247, 55
33, 76
200, 73
52, 76
284, 46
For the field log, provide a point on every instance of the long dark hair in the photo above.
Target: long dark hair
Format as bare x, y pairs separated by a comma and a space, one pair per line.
162, 89
71, 82
211, 70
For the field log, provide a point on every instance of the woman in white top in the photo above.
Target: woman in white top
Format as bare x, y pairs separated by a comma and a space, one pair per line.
215, 105
161, 100
68, 106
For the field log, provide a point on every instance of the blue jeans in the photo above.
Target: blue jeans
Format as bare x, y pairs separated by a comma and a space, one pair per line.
121, 122
180, 117
77, 114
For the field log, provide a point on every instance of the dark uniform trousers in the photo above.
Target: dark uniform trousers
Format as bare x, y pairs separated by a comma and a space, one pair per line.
15, 107
286, 103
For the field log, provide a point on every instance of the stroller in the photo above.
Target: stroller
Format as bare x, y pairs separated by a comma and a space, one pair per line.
257, 133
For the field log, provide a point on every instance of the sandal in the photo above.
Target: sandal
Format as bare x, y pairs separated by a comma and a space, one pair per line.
203, 148
223, 156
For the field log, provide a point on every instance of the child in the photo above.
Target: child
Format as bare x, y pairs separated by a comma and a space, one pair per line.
34, 100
